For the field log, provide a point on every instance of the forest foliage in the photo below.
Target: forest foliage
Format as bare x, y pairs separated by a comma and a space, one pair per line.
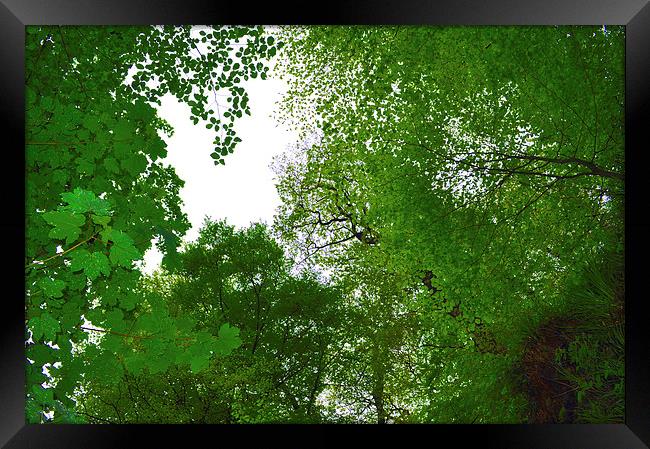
455, 194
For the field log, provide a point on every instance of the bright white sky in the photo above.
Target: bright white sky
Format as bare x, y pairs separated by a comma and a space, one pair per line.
243, 190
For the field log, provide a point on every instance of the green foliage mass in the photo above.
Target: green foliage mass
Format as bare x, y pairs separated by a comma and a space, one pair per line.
282, 329
593, 363
480, 167
453, 191
97, 195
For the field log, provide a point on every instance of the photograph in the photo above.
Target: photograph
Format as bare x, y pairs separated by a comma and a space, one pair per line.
325, 224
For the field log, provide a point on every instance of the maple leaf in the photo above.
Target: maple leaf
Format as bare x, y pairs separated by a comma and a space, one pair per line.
93, 264
115, 320
134, 165
67, 225
85, 166
44, 326
39, 353
111, 165
70, 314
164, 358
123, 252
52, 288
101, 219
82, 201
113, 343
105, 368
199, 363
42, 395
135, 362
128, 301
185, 324
228, 339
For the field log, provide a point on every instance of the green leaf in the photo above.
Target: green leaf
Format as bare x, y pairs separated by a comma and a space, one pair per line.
44, 326
113, 343
85, 166
185, 324
93, 264
157, 149
82, 201
52, 288
134, 165
67, 225
228, 339
122, 250
40, 353
101, 219
135, 362
105, 369
111, 165
42, 395
161, 362
199, 362
60, 177
115, 320
70, 314
129, 301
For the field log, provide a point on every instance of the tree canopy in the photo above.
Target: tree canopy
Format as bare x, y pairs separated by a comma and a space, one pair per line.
97, 193
455, 198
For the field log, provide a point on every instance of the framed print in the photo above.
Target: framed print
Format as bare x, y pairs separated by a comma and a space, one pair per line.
427, 216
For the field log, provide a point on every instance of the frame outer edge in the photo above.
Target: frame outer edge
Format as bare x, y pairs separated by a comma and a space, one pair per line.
12, 50
12, 386
637, 97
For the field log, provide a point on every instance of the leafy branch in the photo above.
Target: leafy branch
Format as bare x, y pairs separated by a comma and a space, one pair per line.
40, 263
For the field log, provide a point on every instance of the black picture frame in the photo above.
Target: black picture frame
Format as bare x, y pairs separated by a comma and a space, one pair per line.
634, 14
